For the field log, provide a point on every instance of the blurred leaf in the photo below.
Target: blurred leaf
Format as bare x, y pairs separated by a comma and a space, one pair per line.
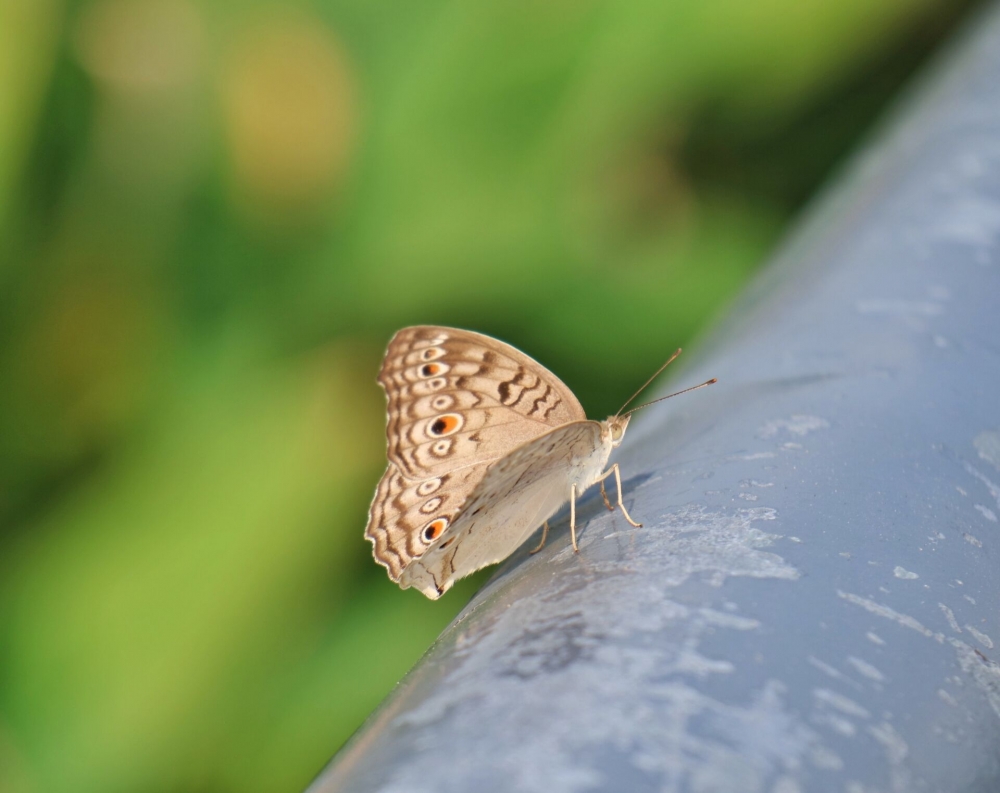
29, 39
132, 608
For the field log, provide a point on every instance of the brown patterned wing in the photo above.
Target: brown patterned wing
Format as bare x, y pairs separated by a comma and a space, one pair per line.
457, 402
458, 398
408, 516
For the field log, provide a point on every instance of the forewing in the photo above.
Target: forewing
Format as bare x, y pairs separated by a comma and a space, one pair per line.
459, 398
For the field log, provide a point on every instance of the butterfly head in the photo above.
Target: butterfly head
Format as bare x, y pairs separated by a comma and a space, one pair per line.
616, 428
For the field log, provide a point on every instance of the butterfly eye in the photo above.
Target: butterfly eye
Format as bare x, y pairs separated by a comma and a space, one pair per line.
433, 529
445, 425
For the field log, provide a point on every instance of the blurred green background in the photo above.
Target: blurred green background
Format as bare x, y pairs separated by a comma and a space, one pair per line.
212, 218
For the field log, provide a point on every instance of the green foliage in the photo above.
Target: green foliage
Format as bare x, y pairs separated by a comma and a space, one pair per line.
214, 215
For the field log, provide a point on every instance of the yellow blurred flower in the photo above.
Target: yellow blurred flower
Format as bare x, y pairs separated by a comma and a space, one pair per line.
288, 101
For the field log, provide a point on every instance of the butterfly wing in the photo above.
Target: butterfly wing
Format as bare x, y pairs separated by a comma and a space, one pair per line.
457, 402
515, 495
407, 516
457, 397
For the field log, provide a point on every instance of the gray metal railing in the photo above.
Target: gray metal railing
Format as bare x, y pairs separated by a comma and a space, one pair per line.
813, 603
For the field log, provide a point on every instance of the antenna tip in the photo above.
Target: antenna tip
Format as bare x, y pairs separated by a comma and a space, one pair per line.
713, 380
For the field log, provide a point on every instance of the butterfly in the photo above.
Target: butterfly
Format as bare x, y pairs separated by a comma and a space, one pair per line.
484, 446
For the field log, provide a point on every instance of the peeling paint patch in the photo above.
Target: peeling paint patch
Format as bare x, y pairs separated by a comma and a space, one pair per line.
980, 637
821, 757
950, 616
988, 445
549, 643
896, 750
874, 638
693, 540
837, 723
990, 485
972, 540
832, 671
984, 672
826, 697
901, 572
987, 513
563, 660
866, 669
798, 425
724, 620
884, 611
786, 784
971, 220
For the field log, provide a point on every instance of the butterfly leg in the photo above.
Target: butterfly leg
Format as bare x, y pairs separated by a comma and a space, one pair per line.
572, 516
604, 495
545, 533
618, 481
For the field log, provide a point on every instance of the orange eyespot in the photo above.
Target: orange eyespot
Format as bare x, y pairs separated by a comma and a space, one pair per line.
445, 425
433, 529
430, 369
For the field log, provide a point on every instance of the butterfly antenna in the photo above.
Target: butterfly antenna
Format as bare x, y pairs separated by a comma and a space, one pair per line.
656, 374
676, 393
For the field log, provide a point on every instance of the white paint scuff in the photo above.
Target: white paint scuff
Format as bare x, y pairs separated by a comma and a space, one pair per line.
866, 669
797, 425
